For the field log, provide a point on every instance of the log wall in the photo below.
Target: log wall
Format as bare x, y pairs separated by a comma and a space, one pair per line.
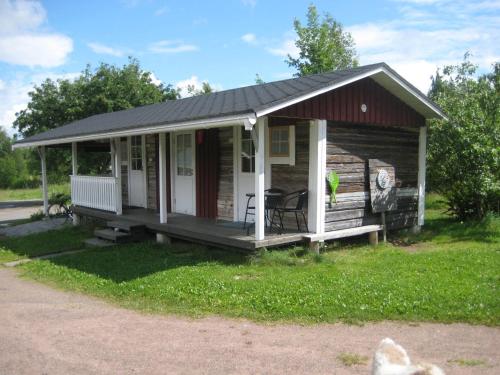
225, 203
291, 178
348, 149
151, 170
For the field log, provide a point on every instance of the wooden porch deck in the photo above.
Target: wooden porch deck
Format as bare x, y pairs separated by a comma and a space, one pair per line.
196, 229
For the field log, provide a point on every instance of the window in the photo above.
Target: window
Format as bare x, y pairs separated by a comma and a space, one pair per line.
136, 153
247, 152
282, 145
280, 141
184, 155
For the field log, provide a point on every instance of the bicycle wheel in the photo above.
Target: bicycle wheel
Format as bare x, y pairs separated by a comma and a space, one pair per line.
67, 213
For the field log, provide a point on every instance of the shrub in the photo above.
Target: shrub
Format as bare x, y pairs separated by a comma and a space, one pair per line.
463, 152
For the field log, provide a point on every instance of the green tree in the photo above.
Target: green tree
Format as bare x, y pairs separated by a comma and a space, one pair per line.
324, 45
463, 152
205, 89
13, 168
258, 79
108, 88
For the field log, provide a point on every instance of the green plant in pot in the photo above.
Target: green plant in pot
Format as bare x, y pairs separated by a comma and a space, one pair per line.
333, 180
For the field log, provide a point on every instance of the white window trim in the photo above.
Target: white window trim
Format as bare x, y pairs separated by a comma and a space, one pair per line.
287, 160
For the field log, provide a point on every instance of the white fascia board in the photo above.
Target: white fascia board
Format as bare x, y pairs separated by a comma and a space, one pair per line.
166, 128
347, 82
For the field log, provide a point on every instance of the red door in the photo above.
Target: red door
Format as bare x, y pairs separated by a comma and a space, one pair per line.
206, 172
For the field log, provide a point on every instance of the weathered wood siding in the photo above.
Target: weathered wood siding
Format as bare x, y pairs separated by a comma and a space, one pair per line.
225, 201
292, 178
151, 170
348, 149
344, 104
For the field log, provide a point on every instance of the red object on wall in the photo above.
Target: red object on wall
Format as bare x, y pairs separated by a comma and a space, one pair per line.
344, 105
207, 157
199, 136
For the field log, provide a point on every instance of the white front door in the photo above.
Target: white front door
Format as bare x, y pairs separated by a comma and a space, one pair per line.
137, 176
184, 173
246, 172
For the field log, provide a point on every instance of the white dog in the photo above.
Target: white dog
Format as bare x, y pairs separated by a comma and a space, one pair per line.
391, 359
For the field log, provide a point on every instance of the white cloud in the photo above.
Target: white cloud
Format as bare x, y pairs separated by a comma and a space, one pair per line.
429, 34
286, 48
195, 82
171, 46
14, 95
161, 11
156, 81
13, 98
249, 3
249, 38
105, 50
21, 40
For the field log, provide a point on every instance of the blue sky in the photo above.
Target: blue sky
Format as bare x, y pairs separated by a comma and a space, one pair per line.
227, 42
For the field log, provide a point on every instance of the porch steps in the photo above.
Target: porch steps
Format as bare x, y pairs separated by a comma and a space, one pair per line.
113, 235
97, 242
120, 232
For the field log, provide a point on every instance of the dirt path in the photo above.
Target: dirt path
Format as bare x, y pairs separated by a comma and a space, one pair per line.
46, 331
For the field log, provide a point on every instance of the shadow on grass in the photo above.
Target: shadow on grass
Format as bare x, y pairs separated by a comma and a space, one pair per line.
131, 261
54, 241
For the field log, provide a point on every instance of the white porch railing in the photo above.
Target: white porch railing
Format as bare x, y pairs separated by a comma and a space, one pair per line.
96, 192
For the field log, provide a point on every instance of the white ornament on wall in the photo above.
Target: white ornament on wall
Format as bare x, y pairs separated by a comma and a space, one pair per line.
383, 179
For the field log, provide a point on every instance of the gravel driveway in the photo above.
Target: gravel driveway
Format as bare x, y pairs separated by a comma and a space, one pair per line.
47, 331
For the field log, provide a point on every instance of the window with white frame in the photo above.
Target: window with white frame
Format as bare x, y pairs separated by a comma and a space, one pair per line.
184, 155
282, 145
247, 152
136, 153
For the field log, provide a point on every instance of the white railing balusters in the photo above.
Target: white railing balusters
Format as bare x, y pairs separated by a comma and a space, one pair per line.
95, 192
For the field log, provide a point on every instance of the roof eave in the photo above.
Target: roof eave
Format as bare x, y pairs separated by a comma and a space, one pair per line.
246, 119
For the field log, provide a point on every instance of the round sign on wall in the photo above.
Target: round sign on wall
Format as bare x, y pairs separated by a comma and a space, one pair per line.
383, 179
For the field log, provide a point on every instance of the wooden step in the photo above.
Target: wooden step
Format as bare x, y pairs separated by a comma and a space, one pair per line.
127, 226
98, 242
113, 235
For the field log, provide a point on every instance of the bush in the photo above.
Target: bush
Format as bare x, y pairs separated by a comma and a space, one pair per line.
463, 151
38, 215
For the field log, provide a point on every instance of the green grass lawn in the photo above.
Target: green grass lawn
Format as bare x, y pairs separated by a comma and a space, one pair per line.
35, 193
448, 273
67, 238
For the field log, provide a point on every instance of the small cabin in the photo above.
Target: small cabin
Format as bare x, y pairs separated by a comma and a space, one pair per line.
251, 167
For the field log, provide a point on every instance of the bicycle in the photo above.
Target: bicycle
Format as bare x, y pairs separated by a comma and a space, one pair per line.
59, 208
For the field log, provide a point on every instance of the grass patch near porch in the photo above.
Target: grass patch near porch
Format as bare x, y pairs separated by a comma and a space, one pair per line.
451, 277
31, 193
54, 241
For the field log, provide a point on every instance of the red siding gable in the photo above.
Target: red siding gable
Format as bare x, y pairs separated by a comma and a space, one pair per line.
344, 105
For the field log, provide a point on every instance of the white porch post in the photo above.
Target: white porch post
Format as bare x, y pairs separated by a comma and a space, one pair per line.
422, 145
45, 191
162, 166
317, 176
118, 173
74, 172
260, 179
113, 156
74, 158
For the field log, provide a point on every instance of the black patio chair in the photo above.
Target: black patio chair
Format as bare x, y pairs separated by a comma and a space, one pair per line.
300, 199
273, 198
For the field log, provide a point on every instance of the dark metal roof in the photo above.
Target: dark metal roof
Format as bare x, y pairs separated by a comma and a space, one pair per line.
240, 101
